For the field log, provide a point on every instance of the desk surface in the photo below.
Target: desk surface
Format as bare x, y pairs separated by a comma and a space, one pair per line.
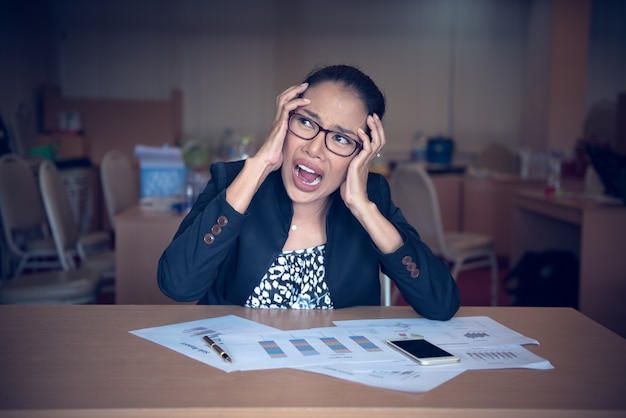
576, 203
75, 361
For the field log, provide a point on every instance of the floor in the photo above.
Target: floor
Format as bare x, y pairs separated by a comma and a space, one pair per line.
474, 287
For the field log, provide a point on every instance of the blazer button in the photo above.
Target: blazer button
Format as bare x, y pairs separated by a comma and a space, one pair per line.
406, 260
415, 273
209, 238
222, 221
216, 229
411, 266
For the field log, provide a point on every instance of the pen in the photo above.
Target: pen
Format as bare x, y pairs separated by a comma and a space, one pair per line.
223, 354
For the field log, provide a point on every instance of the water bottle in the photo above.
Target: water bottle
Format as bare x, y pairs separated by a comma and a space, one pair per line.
418, 150
553, 183
189, 196
244, 148
226, 151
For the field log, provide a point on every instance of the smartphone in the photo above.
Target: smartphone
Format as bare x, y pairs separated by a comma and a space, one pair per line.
422, 351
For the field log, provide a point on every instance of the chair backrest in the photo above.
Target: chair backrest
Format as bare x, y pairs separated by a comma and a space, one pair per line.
21, 207
120, 185
59, 210
414, 193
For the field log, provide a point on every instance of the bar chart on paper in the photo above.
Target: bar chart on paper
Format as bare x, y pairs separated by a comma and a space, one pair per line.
272, 349
304, 347
365, 343
308, 347
335, 345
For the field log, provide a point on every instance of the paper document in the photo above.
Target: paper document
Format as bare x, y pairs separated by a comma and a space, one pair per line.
352, 350
405, 377
186, 337
470, 331
317, 346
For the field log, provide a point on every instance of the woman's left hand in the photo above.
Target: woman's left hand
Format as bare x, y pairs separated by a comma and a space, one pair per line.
354, 188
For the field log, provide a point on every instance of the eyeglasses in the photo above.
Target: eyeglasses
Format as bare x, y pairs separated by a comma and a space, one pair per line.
336, 142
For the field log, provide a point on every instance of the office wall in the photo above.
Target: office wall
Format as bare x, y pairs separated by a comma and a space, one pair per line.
446, 67
607, 56
25, 64
476, 69
568, 72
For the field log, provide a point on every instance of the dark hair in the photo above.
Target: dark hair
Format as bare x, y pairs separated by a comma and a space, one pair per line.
353, 78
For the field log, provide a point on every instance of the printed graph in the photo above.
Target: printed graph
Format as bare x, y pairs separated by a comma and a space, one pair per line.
272, 349
304, 347
365, 343
335, 345
277, 349
476, 334
492, 355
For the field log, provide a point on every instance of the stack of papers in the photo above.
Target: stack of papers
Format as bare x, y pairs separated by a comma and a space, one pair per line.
352, 350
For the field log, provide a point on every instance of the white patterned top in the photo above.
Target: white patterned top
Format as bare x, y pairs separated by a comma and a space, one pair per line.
294, 280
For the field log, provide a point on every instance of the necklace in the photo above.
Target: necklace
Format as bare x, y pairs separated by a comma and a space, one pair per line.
311, 220
305, 223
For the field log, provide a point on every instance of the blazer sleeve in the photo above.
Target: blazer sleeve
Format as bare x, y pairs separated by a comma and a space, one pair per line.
423, 279
195, 258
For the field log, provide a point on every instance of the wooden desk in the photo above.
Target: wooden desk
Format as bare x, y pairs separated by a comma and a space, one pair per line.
487, 206
595, 232
78, 361
140, 238
481, 204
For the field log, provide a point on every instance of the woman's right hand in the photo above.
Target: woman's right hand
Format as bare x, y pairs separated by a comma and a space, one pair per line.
271, 152
270, 156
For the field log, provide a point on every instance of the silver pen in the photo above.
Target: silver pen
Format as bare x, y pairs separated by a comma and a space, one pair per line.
223, 354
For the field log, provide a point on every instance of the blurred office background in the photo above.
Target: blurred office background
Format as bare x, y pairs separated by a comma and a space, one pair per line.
93, 76
523, 73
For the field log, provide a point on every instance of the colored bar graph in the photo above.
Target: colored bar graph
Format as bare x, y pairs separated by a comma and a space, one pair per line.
272, 349
335, 345
365, 344
304, 347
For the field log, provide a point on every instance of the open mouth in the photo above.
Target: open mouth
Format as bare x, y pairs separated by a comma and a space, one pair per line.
307, 175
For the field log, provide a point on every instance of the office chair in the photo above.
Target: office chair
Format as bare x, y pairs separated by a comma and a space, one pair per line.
120, 185
68, 241
78, 185
24, 222
414, 193
56, 287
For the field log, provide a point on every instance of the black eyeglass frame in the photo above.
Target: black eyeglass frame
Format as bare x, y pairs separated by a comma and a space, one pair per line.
358, 147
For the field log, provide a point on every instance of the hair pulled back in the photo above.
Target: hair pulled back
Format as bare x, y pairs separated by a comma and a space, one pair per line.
355, 79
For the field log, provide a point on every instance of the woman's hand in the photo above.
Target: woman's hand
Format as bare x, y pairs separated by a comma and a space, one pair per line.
270, 156
354, 188
271, 152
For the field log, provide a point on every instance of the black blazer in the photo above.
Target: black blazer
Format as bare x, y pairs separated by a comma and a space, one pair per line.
218, 255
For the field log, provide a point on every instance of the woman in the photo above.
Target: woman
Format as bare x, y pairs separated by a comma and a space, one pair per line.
302, 223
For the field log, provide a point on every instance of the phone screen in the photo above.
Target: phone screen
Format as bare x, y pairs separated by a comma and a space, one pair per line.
424, 351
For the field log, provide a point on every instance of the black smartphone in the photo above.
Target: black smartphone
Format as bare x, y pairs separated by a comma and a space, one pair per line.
423, 352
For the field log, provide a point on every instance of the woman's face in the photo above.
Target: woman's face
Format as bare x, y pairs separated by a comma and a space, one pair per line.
310, 171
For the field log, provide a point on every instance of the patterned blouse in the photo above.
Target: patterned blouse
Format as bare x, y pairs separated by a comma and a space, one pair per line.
294, 280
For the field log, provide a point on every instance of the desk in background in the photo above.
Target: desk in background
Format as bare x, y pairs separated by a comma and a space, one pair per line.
141, 236
77, 361
595, 232
481, 204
